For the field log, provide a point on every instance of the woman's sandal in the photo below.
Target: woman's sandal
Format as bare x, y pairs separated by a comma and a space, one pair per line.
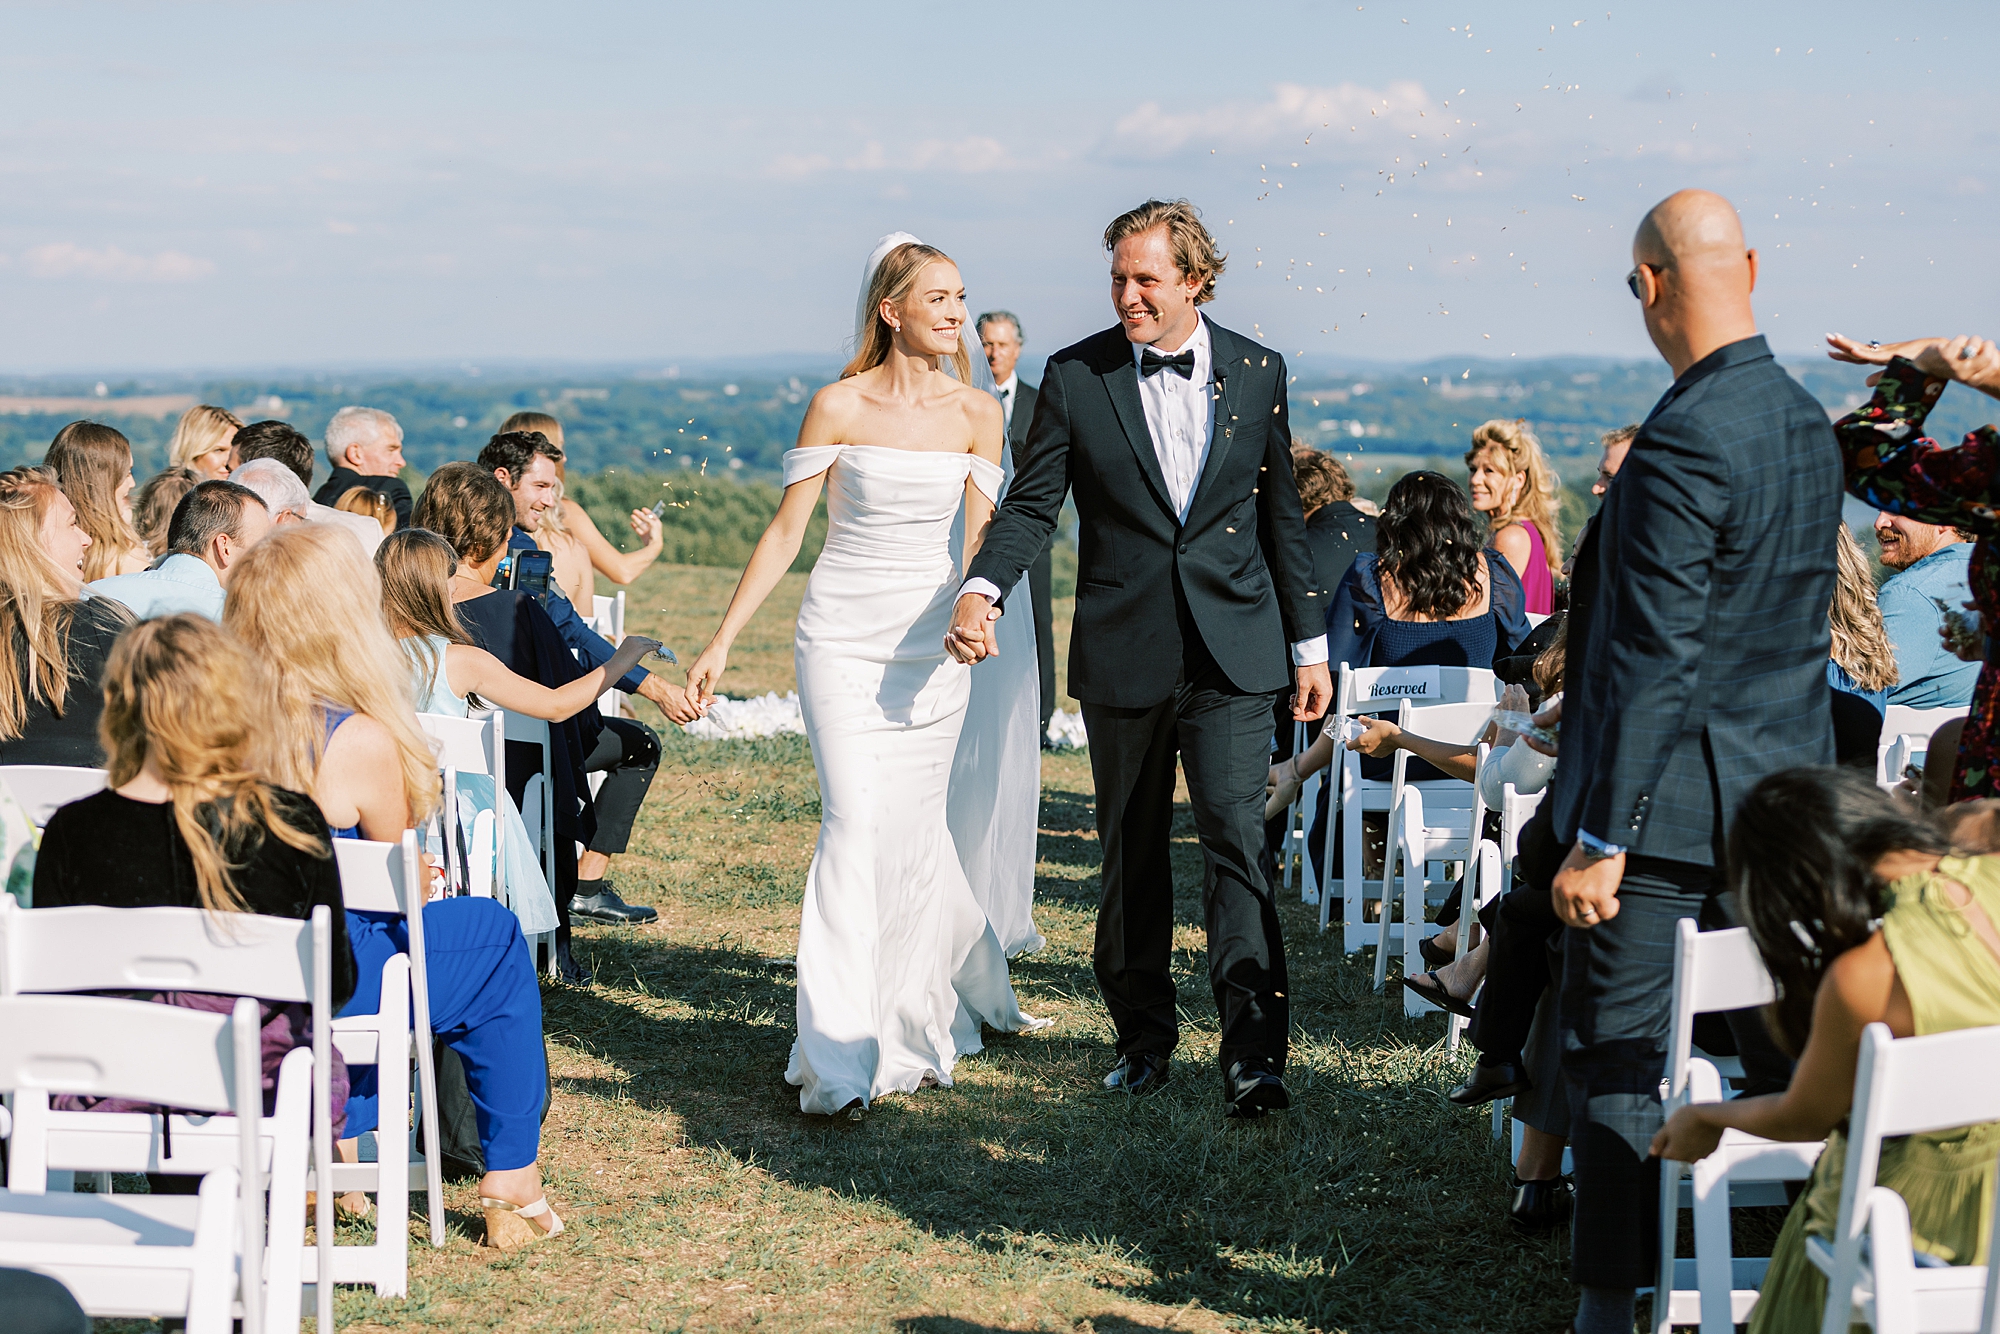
508, 1227
1431, 987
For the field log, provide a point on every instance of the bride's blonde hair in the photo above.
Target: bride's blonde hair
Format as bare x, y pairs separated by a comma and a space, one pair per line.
894, 277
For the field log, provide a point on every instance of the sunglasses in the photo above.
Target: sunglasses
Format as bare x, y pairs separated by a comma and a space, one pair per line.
1632, 283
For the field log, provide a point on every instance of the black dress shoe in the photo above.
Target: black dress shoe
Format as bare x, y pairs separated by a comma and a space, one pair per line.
1137, 1073
1499, 1079
569, 970
597, 901
1541, 1206
1252, 1090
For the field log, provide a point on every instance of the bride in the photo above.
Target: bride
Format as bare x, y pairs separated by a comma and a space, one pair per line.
898, 966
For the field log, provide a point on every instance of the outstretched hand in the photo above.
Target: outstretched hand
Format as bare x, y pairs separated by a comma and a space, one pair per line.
971, 638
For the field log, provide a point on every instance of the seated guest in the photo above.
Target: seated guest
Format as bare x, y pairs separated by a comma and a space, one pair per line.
204, 442
191, 821
153, 506
1337, 533
1894, 467
213, 526
278, 487
1336, 530
94, 464
525, 465
569, 519
347, 734
370, 505
1862, 665
53, 639
416, 566
1432, 592
1514, 487
1933, 565
278, 440
468, 507
365, 448
1862, 916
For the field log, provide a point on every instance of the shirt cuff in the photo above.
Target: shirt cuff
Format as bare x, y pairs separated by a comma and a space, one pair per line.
1308, 652
986, 588
1599, 846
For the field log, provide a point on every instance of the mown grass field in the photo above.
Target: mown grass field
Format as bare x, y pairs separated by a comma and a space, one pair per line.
1023, 1198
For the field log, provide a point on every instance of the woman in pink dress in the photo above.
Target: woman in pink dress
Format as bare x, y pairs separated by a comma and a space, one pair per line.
1514, 487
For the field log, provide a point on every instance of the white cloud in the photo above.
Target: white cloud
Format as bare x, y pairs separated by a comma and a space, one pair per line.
66, 259
1150, 130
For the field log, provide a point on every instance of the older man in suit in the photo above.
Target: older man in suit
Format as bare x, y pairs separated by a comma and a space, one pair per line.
1697, 647
1001, 338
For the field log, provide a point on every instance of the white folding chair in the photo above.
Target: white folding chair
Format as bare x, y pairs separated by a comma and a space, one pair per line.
1452, 807
1374, 690
140, 1256
1419, 834
538, 804
39, 789
1304, 802
1715, 971
608, 619
478, 745
1907, 731
56, 950
387, 878
1907, 1087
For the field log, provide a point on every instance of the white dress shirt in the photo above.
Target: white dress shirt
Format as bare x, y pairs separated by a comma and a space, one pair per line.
1006, 392
1180, 416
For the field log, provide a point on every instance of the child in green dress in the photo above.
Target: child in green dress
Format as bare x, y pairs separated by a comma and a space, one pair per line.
1862, 915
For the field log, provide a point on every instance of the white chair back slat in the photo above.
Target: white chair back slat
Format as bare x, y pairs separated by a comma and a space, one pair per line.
538, 810
105, 1047
1907, 1086
39, 789
1714, 971
390, 875
466, 744
154, 949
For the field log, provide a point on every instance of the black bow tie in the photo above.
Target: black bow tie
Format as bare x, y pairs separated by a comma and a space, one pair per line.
1181, 363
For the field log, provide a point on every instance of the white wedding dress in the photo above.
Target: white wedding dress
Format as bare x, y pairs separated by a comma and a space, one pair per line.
898, 966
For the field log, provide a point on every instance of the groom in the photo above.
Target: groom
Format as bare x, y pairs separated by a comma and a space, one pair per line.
1194, 576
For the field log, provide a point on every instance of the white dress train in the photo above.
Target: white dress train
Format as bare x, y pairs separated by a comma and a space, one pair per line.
996, 780
898, 967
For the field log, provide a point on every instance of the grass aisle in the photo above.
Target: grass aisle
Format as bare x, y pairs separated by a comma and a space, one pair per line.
1023, 1198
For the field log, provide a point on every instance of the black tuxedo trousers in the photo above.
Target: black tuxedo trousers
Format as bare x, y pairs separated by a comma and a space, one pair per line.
1223, 735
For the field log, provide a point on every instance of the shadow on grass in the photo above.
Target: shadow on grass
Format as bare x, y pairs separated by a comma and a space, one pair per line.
1373, 1195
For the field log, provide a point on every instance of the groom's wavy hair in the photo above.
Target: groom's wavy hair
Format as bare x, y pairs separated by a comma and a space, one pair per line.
894, 277
1428, 542
1194, 249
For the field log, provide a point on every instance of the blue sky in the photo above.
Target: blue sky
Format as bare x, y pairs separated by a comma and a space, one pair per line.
215, 185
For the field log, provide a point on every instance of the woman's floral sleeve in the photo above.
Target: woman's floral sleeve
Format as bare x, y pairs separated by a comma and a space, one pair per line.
1893, 466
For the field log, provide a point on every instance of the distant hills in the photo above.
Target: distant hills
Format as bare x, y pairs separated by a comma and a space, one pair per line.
725, 421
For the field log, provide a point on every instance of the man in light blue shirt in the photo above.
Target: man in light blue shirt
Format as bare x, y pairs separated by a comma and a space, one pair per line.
212, 527
1931, 566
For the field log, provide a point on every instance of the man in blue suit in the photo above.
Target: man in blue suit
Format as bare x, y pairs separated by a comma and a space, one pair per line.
1697, 648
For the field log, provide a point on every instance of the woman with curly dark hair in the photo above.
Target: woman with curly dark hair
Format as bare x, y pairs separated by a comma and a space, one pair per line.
1432, 593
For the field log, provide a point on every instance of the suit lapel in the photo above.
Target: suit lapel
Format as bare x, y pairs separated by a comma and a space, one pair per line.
1121, 381
1226, 363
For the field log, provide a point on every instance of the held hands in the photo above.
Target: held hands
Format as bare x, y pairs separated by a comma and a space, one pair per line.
1586, 888
1687, 1137
971, 638
1312, 692
677, 703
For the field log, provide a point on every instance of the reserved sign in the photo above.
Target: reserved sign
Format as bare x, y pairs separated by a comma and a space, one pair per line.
1415, 683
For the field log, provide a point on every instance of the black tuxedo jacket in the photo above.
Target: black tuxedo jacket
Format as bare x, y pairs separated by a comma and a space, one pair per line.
1240, 564
1697, 627
1025, 396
